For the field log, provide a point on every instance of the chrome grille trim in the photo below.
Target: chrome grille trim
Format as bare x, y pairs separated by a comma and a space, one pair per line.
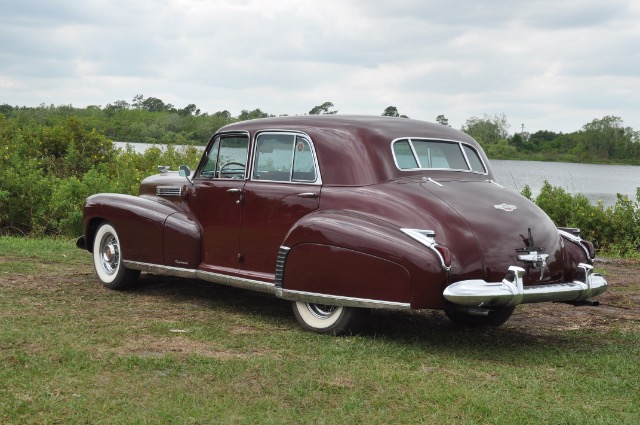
169, 190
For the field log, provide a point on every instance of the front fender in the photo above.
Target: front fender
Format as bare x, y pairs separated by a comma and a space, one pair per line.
139, 222
348, 254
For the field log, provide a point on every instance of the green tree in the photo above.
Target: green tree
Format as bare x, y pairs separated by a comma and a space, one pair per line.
488, 129
442, 120
607, 138
392, 111
250, 115
322, 109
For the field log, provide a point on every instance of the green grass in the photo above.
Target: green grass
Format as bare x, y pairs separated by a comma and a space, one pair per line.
175, 351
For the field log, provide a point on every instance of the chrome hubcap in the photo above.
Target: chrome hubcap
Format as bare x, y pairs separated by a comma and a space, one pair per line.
109, 254
321, 311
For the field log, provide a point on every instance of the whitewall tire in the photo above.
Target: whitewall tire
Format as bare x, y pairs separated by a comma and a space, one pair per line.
107, 259
330, 319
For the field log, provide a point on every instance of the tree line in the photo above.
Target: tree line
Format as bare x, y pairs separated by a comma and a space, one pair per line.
151, 120
52, 158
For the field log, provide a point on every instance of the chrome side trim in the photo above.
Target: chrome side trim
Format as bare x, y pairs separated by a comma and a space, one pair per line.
428, 239
511, 291
282, 258
312, 297
238, 282
161, 270
495, 183
571, 237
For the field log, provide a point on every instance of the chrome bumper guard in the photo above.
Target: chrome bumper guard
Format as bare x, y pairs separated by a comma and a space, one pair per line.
511, 291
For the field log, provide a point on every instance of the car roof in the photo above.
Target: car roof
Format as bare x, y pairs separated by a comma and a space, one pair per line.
356, 149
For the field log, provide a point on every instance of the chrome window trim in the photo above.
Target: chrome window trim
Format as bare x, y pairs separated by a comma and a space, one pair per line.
205, 155
459, 143
316, 182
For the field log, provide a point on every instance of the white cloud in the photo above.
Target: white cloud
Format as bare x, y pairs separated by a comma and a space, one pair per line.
550, 64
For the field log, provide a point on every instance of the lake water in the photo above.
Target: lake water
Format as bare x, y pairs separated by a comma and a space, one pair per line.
597, 182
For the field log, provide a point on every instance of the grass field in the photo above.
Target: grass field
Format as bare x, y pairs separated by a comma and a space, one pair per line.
188, 352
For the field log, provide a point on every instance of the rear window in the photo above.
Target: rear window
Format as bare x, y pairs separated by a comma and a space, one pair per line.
420, 154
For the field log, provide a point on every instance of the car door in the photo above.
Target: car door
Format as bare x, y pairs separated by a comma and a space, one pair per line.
284, 186
216, 201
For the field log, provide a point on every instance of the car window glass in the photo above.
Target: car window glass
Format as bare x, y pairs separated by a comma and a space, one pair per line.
227, 158
435, 154
474, 159
303, 165
274, 157
404, 155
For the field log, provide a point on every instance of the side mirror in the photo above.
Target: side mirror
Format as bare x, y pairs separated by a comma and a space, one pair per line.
184, 171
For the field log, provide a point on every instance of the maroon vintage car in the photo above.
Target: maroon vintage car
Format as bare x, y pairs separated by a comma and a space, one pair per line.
341, 214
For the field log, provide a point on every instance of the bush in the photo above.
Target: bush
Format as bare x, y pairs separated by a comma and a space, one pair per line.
615, 229
47, 172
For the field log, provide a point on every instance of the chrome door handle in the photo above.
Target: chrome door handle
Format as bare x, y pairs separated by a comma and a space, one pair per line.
308, 195
234, 190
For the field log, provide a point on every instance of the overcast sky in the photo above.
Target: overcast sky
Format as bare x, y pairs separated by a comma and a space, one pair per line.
548, 64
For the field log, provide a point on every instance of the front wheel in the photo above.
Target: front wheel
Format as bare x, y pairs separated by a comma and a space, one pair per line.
330, 319
107, 259
496, 317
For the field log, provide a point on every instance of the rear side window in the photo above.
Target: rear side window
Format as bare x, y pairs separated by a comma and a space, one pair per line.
284, 157
420, 154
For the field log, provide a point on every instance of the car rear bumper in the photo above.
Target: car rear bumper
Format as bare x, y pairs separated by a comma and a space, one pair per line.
511, 291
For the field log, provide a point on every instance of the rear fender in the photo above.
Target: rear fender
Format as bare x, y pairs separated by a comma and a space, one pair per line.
353, 256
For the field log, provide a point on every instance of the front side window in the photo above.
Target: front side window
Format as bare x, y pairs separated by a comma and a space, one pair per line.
419, 154
226, 159
284, 157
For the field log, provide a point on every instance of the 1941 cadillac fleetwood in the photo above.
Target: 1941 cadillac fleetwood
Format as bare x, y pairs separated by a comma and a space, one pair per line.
341, 214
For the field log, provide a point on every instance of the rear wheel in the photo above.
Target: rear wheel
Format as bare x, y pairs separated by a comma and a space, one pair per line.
330, 319
496, 317
107, 259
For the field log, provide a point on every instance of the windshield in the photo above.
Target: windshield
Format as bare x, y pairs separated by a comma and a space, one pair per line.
418, 154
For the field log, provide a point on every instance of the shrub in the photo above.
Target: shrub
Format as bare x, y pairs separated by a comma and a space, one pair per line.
615, 229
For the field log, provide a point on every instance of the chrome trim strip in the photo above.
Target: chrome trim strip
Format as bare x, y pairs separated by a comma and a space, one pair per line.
420, 138
576, 240
168, 190
161, 270
316, 182
205, 155
496, 183
238, 282
428, 239
280, 262
511, 291
312, 297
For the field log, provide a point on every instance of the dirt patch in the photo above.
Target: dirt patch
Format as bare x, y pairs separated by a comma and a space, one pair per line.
162, 298
619, 307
